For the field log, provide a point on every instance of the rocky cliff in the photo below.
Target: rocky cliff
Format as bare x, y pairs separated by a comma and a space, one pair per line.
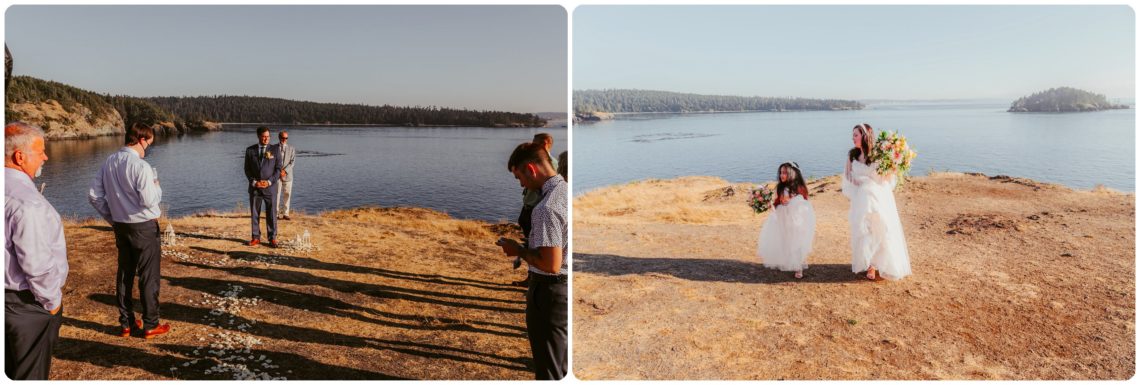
58, 123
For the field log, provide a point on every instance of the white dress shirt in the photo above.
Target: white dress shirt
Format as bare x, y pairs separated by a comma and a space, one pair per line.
35, 252
125, 190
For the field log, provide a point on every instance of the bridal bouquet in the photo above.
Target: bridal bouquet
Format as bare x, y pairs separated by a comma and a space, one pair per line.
760, 199
892, 154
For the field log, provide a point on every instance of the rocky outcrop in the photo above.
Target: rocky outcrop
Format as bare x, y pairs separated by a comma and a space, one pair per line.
58, 123
1063, 99
594, 116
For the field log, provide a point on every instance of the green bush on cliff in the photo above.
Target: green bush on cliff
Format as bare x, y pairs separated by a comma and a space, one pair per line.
26, 89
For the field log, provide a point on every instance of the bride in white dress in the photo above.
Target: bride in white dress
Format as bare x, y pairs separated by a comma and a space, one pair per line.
878, 245
786, 236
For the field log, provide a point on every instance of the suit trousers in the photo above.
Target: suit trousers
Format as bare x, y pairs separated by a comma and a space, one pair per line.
30, 332
284, 195
140, 253
546, 321
257, 198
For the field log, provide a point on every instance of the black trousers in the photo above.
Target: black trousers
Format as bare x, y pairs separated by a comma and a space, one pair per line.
140, 253
30, 332
257, 198
546, 320
524, 220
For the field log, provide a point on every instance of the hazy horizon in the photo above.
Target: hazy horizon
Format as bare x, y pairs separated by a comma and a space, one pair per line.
994, 99
506, 58
857, 52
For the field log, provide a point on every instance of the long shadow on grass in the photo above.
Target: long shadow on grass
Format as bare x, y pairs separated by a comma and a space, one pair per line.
194, 315
111, 356
310, 263
378, 291
98, 228
330, 306
303, 368
710, 270
208, 237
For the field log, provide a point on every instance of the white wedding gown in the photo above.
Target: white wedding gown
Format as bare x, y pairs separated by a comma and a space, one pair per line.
876, 233
786, 236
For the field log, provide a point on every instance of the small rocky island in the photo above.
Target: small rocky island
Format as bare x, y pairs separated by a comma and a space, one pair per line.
1063, 99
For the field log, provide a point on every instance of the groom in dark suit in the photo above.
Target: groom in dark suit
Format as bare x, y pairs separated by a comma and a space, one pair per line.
263, 170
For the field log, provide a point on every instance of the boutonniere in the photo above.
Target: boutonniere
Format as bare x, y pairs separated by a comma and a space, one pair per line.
269, 155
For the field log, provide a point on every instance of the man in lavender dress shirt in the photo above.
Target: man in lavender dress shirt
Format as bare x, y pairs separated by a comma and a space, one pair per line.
35, 256
126, 194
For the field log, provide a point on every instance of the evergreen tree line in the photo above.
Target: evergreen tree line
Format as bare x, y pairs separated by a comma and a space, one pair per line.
252, 109
1063, 99
192, 113
623, 100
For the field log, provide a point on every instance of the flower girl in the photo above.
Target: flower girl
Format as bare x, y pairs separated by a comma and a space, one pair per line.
787, 234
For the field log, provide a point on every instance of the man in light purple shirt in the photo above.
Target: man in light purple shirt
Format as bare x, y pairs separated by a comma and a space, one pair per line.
35, 256
126, 194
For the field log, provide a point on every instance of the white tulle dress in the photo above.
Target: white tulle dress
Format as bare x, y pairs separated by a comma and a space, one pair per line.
876, 232
786, 236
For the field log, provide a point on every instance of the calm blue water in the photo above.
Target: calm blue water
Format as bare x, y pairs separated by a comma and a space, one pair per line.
461, 171
1079, 150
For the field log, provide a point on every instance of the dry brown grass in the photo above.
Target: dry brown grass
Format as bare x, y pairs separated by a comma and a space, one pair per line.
391, 293
652, 200
1013, 279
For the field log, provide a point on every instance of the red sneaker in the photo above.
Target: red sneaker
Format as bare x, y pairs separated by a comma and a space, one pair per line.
127, 331
160, 329
254, 242
273, 242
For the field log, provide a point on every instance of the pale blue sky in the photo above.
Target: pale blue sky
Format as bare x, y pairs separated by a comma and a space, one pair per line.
482, 57
856, 52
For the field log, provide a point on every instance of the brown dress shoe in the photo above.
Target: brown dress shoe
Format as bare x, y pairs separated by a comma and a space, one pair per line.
160, 329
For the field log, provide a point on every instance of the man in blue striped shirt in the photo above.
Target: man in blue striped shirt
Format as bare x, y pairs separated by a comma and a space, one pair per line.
126, 194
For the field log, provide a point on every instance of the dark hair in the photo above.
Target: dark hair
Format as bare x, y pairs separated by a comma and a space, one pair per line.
542, 137
564, 165
865, 147
138, 132
527, 153
262, 130
794, 184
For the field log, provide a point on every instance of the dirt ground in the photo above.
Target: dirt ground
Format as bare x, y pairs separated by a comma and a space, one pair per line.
386, 294
1013, 279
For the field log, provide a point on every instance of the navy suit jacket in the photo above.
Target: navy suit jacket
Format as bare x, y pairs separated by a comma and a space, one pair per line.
259, 167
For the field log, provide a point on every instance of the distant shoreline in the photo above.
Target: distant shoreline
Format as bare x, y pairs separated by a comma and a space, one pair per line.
371, 125
725, 112
223, 128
